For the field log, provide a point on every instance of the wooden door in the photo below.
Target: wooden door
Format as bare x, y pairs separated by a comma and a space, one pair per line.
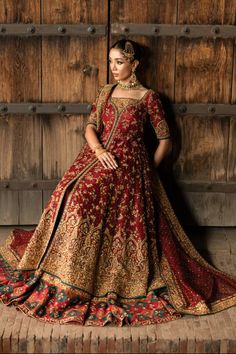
44, 69
35, 150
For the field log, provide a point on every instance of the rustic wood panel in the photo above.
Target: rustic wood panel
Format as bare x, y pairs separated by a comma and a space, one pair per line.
232, 151
62, 141
203, 70
229, 209
157, 71
20, 136
73, 70
206, 209
204, 74
203, 148
30, 207
21, 150
22, 11
220, 12
9, 208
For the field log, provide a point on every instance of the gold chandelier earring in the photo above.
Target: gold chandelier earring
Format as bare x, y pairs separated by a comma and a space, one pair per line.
133, 77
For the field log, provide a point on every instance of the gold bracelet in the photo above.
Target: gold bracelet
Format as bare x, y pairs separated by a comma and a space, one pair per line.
96, 146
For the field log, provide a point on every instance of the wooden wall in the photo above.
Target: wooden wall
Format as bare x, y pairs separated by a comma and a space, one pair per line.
50, 69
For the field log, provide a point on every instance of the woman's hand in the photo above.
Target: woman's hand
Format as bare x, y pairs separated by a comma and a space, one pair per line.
107, 160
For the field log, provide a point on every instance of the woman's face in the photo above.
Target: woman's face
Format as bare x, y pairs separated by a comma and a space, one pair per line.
120, 67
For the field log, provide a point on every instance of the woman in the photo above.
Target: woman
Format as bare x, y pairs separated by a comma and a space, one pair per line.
108, 246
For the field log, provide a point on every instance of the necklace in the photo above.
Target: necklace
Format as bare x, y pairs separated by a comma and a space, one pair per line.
130, 85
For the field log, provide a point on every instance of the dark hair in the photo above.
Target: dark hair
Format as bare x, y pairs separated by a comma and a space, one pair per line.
138, 49
141, 53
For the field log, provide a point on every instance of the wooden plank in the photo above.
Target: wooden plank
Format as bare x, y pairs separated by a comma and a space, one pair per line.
233, 97
39, 339
195, 160
189, 12
230, 206
64, 333
87, 340
31, 335
151, 339
164, 343
23, 334
8, 333
78, 339
25, 12
55, 338
4, 317
231, 166
46, 337
9, 208
30, 205
111, 339
67, 61
20, 137
15, 332
120, 340
66, 141
20, 80
72, 339
203, 209
208, 87
127, 339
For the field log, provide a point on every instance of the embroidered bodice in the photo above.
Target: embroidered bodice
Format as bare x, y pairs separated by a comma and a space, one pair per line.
122, 102
126, 115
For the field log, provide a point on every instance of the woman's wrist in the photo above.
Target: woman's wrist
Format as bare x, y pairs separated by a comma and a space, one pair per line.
96, 147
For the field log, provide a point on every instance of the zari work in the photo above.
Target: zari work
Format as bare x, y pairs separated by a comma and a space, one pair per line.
108, 246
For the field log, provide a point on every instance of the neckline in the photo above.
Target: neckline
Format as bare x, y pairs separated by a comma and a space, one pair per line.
130, 98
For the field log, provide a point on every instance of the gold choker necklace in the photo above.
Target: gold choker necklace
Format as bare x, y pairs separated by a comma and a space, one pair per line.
130, 85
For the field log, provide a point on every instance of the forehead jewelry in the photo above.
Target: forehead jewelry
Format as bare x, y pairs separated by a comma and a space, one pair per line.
128, 52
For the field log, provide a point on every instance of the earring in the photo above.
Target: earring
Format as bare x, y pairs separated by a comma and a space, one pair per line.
133, 77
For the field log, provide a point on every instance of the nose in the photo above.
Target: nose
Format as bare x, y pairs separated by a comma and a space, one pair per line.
113, 67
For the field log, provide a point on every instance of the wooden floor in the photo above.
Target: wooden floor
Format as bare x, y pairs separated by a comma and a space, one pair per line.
190, 334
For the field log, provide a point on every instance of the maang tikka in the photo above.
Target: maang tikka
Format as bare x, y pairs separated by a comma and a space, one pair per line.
128, 52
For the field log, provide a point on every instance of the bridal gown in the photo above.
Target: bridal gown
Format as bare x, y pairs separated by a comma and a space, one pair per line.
108, 246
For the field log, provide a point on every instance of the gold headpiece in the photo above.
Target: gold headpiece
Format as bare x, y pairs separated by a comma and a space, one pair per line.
128, 52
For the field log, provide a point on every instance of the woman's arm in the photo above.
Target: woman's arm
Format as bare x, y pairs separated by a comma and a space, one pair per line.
106, 158
91, 136
163, 149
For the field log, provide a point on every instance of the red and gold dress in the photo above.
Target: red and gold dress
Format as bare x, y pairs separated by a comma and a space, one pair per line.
108, 246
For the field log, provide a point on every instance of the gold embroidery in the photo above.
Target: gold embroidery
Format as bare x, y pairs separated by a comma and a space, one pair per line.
162, 130
121, 103
177, 299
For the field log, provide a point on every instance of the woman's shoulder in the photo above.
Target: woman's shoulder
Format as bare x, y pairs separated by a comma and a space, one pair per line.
153, 94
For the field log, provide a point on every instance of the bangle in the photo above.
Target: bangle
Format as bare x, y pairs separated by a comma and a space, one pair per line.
96, 146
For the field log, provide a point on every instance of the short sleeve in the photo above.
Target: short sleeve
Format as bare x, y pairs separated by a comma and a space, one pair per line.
157, 116
93, 116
